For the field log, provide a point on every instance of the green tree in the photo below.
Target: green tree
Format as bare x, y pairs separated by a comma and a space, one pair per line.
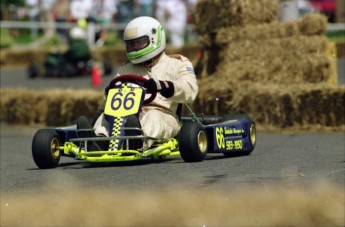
6, 3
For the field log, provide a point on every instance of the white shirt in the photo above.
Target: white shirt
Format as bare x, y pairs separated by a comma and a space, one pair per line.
105, 10
172, 13
80, 9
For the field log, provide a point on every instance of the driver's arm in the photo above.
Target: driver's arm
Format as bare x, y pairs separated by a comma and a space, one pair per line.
179, 85
185, 84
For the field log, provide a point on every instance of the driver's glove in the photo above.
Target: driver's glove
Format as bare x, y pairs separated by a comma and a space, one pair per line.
166, 88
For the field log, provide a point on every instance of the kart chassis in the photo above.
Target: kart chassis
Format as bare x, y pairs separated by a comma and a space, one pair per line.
227, 134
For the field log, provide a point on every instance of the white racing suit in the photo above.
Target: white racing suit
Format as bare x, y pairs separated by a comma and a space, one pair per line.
158, 119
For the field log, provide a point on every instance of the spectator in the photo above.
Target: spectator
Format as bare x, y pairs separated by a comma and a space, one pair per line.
61, 13
190, 10
173, 15
143, 8
46, 8
104, 12
80, 9
34, 14
125, 11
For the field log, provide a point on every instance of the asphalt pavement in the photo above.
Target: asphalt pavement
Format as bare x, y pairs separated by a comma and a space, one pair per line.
292, 159
17, 78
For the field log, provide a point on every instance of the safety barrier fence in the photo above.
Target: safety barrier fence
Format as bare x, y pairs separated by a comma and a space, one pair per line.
92, 27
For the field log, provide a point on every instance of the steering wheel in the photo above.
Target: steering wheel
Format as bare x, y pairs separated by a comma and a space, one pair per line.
138, 80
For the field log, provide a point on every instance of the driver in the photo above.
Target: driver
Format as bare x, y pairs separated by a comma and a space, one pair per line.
172, 76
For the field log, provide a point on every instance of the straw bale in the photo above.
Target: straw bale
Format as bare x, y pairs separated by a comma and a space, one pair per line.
22, 57
210, 15
332, 54
207, 62
110, 53
50, 107
281, 60
274, 72
271, 48
340, 49
289, 69
280, 106
313, 24
309, 25
304, 55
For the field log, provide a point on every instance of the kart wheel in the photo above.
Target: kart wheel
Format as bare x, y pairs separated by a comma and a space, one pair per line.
67, 70
33, 70
193, 142
249, 128
45, 148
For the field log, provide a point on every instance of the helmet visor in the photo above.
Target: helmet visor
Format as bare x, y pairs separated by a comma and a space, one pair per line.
137, 44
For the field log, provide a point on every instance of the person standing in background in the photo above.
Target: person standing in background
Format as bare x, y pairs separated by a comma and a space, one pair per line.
80, 9
125, 11
173, 15
61, 14
144, 8
34, 14
103, 12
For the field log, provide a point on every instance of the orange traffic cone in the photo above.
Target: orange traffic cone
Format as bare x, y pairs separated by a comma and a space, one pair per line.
96, 79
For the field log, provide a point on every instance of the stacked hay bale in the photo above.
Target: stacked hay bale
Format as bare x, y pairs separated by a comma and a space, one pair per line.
278, 73
48, 107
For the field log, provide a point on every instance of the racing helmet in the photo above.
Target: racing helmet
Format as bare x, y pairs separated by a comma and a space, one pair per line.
77, 33
145, 39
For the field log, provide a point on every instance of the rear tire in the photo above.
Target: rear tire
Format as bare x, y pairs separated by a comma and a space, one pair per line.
193, 143
34, 71
45, 148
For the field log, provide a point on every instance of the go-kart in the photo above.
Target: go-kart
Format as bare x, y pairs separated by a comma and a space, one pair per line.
55, 65
233, 134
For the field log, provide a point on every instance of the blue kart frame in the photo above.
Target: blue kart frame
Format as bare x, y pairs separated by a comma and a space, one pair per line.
232, 134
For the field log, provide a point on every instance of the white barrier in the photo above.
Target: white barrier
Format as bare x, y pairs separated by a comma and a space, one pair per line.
92, 27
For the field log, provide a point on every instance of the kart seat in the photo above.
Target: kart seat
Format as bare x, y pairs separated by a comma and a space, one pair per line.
84, 123
133, 122
179, 111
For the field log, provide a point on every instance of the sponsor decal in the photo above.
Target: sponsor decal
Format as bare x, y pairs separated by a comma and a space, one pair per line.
190, 69
222, 143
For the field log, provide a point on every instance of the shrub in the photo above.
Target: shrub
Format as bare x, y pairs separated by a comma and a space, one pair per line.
6, 40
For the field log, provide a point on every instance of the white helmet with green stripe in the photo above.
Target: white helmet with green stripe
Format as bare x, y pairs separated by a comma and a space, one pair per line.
144, 38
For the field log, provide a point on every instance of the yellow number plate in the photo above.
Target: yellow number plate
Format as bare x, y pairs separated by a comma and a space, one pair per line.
123, 101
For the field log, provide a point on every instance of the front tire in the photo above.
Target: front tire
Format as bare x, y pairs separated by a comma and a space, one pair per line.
46, 148
193, 143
